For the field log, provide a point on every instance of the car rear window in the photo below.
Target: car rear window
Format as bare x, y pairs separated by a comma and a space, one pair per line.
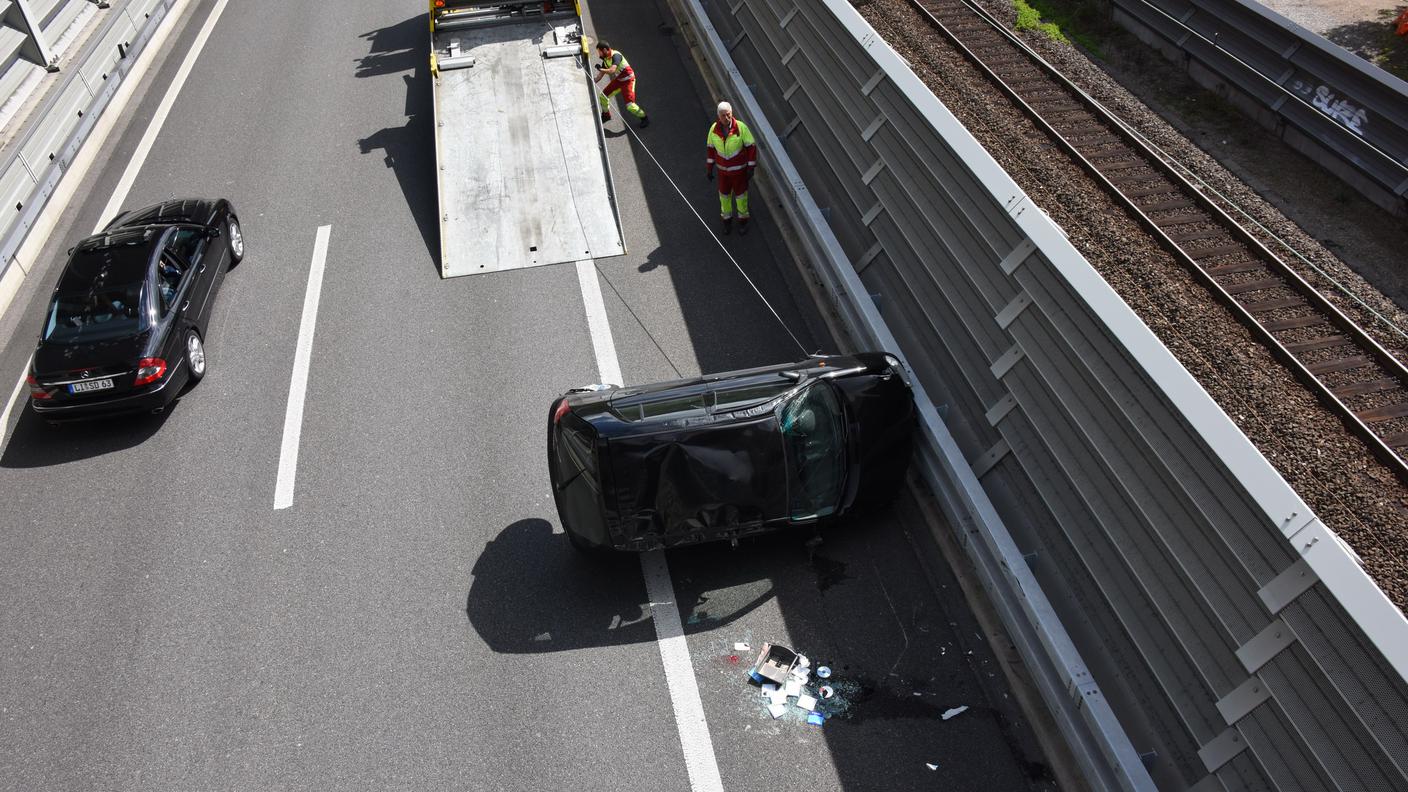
99, 298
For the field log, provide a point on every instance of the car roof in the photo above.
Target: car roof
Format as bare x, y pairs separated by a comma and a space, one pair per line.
122, 258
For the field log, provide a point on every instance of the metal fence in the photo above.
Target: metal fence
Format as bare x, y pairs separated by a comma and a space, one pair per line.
1344, 112
51, 140
1190, 622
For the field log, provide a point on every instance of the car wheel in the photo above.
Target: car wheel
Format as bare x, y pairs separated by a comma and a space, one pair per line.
195, 355
236, 239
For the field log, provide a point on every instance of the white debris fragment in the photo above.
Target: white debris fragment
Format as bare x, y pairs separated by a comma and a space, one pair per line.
931, 766
742, 646
767, 689
777, 710
806, 702
826, 691
949, 713
777, 696
802, 661
793, 687
823, 672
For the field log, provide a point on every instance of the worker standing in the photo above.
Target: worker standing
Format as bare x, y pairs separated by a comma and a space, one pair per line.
732, 151
623, 81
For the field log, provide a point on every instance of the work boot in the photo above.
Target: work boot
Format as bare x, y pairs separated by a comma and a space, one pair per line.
644, 122
728, 225
742, 226
606, 116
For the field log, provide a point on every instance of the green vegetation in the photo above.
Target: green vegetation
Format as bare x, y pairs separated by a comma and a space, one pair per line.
1085, 22
1029, 18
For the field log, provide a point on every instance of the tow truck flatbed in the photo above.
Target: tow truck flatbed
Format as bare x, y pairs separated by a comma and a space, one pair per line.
521, 168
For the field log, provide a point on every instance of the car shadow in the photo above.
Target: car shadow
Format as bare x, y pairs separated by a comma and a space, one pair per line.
36, 443
408, 150
532, 592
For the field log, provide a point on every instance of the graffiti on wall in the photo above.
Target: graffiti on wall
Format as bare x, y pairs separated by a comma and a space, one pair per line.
1322, 98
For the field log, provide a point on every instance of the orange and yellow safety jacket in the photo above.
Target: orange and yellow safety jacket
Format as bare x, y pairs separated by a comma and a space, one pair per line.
731, 149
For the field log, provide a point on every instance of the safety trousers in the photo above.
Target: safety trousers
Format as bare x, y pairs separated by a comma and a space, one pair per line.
733, 187
627, 90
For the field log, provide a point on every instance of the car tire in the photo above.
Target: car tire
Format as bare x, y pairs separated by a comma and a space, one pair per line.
235, 235
194, 351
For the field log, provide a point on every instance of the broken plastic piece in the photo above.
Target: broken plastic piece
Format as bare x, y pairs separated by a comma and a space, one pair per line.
777, 710
931, 766
806, 702
741, 646
802, 661
826, 691
774, 662
793, 687
777, 696
949, 713
816, 718
767, 688
823, 672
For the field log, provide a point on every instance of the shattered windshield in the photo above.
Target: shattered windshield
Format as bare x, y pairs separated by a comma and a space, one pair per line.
813, 435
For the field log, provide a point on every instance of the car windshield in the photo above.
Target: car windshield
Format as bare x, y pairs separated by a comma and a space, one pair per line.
814, 439
99, 298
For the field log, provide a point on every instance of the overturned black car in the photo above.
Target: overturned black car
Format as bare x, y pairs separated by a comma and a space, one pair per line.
729, 455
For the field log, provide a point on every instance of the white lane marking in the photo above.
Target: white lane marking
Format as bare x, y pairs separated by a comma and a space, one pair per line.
298, 384
10, 404
124, 184
699, 760
607, 366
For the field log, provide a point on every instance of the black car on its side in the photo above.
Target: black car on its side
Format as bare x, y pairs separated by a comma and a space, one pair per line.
729, 455
125, 330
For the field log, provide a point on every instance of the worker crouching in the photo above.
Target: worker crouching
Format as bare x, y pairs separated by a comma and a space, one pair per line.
623, 81
733, 153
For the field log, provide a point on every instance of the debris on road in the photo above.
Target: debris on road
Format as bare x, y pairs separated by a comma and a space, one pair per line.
741, 646
823, 672
806, 702
816, 718
931, 765
826, 691
949, 713
774, 663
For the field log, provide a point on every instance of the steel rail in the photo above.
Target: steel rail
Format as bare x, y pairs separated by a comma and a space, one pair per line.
1379, 446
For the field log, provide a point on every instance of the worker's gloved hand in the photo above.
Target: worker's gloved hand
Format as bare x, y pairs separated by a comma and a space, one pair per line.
709, 174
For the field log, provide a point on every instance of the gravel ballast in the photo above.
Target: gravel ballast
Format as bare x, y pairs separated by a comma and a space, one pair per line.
1353, 494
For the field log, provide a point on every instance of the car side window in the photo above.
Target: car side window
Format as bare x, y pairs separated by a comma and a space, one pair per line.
814, 441
169, 272
188, 244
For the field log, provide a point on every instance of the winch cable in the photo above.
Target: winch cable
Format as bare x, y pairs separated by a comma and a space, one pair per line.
705, 224
568, 170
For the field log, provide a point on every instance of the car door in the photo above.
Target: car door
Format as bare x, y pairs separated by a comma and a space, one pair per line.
188, 245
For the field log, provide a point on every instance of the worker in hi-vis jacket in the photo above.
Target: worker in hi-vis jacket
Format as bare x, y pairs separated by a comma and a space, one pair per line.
623, 81
733, 153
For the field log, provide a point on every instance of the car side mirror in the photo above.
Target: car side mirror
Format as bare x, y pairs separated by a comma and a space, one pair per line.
213, 233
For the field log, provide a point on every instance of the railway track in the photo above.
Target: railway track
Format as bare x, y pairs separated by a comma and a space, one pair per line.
1349, 372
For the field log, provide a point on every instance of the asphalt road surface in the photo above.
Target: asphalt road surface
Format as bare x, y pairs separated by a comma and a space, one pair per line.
415, 619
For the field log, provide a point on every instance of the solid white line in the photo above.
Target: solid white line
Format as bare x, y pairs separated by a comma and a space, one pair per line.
124, 184
9, 405
699, 760
607, 366
298, 384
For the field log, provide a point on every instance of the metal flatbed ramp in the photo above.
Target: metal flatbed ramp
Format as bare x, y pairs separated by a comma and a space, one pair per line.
522, 169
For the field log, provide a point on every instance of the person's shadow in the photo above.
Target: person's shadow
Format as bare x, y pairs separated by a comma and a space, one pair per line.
532, 592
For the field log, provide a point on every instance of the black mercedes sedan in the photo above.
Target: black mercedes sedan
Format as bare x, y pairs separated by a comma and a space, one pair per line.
126, 328
729, 455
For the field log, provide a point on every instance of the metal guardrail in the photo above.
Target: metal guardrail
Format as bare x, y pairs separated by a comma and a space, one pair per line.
38, 161
1344, 112
1236, 640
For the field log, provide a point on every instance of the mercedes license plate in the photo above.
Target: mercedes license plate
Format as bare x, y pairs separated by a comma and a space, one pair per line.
90, 385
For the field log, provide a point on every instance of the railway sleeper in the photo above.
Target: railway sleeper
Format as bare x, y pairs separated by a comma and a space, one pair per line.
1386, 413
1322, 342
1161, 187
1217, 250
1313, 320
1235, 267
1261, 284
1398, 440
1194, 236
1338, 364
1366, 387
1173, 203
1124, 164
1274, 304
1178, 220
